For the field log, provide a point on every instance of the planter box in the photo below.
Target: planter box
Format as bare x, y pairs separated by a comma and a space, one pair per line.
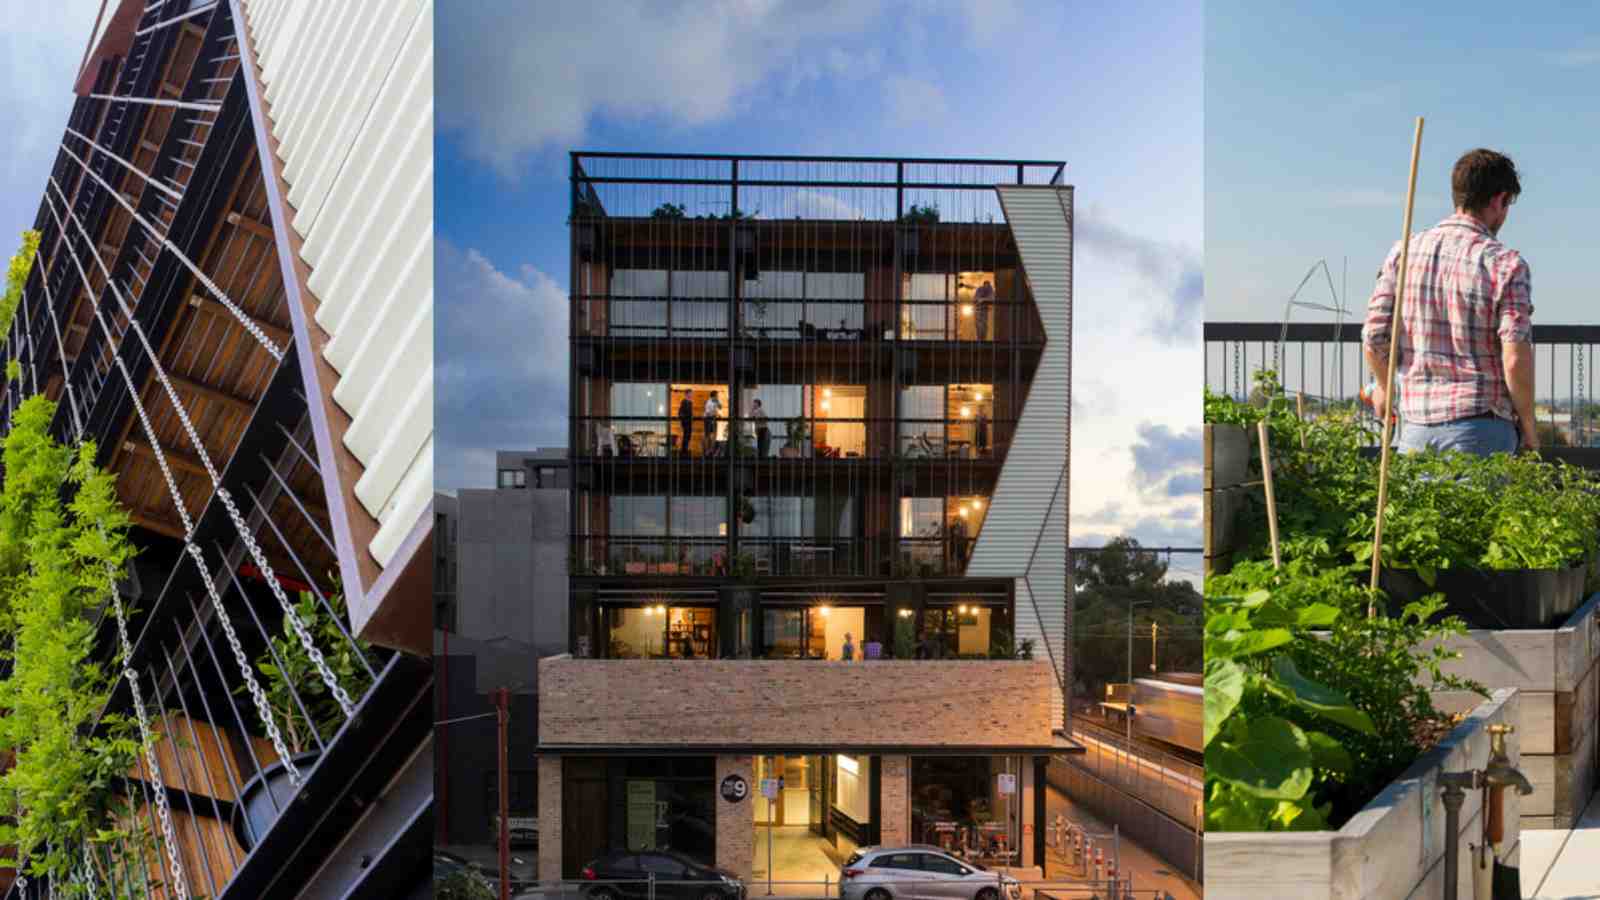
1227, 469
1558, 672
1393, 848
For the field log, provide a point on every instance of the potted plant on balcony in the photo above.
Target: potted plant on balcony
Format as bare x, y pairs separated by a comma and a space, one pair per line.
303, 732
799, 434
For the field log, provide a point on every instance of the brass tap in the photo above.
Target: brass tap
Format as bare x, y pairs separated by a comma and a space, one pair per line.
1499, 772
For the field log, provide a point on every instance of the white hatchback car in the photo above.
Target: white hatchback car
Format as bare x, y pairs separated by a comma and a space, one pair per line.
920, 872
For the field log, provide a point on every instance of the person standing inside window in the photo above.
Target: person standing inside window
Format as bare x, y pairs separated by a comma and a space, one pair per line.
983, 432
848, 653
758, 415
985, 298
686, 420
713, 410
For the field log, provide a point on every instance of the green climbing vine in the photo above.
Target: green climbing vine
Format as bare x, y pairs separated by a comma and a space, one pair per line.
16, 277
62, 534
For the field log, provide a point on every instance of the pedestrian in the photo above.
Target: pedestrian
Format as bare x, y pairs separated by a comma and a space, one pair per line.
686, 420
1465, 366
983, 432
713, 410
758, 415
985, 298
849, 651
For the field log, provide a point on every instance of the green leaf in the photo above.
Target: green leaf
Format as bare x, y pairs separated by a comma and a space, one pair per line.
1317, 615
1318, 698
1224, 686
1328, 754
1272, 761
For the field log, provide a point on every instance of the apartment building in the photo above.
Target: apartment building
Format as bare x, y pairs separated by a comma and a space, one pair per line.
819, 418
235, 236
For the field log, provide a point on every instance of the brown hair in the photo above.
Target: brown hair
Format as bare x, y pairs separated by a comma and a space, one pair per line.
1481, 174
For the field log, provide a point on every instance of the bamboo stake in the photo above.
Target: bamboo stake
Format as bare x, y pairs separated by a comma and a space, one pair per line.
1396, 322
1272, 503
1300, 413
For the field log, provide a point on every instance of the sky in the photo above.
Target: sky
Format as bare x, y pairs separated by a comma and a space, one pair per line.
1309, 117
1115, 93
41, 45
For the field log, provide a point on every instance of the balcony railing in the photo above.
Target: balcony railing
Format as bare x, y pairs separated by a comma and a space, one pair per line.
920, 439
718, 557
1324, 361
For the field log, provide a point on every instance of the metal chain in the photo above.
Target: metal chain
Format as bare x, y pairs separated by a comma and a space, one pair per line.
1238, 376
1581, 420
263, 709
155, 234
162, 811
86, 874
257, 556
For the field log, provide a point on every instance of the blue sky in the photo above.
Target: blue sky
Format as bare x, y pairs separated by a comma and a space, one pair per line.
1308, 126
41, 45
1115, 93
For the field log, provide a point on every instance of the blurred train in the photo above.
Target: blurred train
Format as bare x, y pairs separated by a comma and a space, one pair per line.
1169, 708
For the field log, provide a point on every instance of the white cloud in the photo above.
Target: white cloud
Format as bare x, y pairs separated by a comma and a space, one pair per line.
512, 90
501, 343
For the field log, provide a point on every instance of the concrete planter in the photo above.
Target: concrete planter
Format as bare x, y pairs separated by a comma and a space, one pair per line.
1393, 848
1557, 671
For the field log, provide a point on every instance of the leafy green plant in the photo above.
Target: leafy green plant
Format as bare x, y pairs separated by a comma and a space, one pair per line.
63, 538
669, 211
905, 637
297, 674
16, 279
921, 215
798, 430
462, 884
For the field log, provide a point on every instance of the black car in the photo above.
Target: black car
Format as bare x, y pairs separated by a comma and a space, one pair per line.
627, 876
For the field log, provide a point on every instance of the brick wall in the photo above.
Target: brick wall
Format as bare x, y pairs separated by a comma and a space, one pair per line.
736, 833
894, 824
550, 796
773, 702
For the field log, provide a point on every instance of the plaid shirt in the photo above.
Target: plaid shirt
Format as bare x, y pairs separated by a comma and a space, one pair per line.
1466, 294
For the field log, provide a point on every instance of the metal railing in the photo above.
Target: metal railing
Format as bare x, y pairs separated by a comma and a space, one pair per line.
806, 188
758, 556
663, 437
1324, 361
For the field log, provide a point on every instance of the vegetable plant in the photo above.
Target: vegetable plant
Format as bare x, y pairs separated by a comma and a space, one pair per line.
297, 674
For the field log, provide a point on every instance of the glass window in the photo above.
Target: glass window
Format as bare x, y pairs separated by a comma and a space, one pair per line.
661, 865
638, 516
853, 783
699, 516
957, 806
943, 865
786, 634
839, 411
636, 632
922, 415
508, 478
639, 283
896, 861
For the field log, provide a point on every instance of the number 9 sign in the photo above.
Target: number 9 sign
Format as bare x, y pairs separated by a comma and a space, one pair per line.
735, 788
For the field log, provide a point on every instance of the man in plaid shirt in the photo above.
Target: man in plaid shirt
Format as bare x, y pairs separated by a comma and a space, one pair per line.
1466, 343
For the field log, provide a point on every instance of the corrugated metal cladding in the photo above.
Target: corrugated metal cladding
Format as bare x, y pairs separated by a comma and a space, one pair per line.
351, 90
1024, 535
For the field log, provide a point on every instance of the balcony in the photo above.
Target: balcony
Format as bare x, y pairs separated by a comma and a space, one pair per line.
867, 705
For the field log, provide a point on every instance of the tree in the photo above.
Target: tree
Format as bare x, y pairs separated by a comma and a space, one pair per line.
1120, 577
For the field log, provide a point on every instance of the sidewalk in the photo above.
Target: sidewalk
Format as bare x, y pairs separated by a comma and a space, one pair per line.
1149, 871
1560, 864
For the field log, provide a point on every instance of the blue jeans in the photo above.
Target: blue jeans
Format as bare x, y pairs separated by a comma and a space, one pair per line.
1481, 436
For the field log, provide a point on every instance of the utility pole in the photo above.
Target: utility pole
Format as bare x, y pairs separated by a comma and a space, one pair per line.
1153, 627
502, 702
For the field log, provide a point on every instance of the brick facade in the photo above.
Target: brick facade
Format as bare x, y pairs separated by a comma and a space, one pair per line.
733, 703
736, 833
894, 826
550, 797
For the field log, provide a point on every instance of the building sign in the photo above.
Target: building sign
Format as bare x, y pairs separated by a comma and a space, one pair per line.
523, 829
641, 815
1008, 783
735, 789
769, 788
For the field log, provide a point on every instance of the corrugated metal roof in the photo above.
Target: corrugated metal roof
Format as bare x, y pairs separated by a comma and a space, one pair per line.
1024, 535
351, 89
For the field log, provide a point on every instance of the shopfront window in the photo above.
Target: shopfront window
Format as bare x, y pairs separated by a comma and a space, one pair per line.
969, 630
658, 631
968, 806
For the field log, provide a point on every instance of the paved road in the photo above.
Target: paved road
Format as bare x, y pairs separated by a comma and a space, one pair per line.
1149, 871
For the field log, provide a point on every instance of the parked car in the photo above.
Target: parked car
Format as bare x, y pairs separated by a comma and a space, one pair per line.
920, 872
626, 876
